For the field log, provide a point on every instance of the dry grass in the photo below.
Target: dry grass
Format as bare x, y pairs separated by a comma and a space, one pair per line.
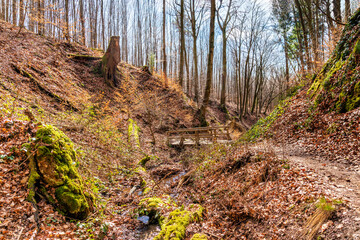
324, 210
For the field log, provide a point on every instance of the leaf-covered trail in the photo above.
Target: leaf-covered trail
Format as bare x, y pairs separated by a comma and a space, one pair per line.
342, 181
338, 180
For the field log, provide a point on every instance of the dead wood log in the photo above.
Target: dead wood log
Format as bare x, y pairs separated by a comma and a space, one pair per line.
83, 57
110, 61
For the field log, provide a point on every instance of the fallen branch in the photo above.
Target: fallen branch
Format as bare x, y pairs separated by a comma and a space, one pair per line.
83, 57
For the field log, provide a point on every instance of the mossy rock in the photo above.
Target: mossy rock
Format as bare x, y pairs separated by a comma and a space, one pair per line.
174, 226
144, 160
54, 167
154, 208
199, 236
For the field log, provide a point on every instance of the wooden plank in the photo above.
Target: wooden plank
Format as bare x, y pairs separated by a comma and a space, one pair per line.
196, 134
197, 129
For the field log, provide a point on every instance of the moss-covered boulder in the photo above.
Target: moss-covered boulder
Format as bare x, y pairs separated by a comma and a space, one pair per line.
53, 166
174, 226
156, 207
172, 219
199, 236
337, 85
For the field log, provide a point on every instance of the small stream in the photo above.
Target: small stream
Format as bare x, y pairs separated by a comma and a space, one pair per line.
151, 230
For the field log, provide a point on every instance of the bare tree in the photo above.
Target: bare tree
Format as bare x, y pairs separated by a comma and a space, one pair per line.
164, 44
210, 66
182, 44
223, 24
196, 15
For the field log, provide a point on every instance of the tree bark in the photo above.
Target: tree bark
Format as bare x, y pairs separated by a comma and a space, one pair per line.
224, 71
124, 30
2, 13
347, 9
182, 45
209, 65
164, 44
67, 30
337, 10
14, 10
22, 13
110, 61
102, 23
82, 21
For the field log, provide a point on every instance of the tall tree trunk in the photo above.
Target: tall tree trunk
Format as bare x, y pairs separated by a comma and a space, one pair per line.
164, 44
22, 13
124, 30
209, 65
2, 13
67, 28
7, 7
305, 34
223, 26
347, 9
40, 17
182, 44
337, 10
95, 36
74, 20
287, 74
187, 73
139, 38
329, 18
82, 21
196, 70
300, 40
14, 10
224, 71
102, 23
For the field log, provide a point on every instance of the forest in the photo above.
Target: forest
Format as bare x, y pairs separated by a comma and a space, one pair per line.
260, 50
179, 119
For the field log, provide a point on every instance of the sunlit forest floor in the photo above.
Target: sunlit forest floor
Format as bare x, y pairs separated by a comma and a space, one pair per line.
303, 185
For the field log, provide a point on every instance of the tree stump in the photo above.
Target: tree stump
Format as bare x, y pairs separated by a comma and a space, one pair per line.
110, 61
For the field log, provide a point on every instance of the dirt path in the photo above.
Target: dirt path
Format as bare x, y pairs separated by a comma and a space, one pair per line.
339, 181
342, 181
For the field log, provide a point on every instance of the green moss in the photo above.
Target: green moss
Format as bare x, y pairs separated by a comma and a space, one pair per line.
133, 131
147, 190
174, 226
354, 101
55, 162
143, 183
357, 47
152, 203
262, 125
139, 169
33, 178
152, 207
337, 84
143, 161
72, 201
199, 236
324, 81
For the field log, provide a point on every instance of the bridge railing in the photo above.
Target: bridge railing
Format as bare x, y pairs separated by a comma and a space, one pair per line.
196, 134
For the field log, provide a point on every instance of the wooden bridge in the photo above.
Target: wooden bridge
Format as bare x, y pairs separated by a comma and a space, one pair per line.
198, 136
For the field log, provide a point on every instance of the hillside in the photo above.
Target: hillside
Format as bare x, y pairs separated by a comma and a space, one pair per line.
60, 84
318, 127
323, 117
